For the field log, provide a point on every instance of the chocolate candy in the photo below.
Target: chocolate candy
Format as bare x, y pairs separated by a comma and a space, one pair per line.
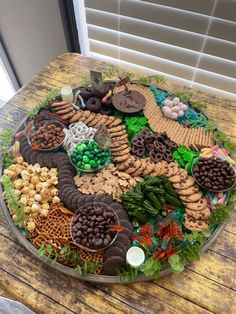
214, 174
94, 104
47, 135
90, 228
88, 156
158, 146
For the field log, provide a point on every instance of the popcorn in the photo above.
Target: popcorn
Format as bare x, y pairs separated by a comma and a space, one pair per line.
35, 187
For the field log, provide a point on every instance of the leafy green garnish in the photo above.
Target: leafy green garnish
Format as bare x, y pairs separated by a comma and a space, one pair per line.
42, 104
211, 125
87, 267
13, 200
159, 79
127, 275
220, 214
6, 156
151, 267
200, 105
176, 263
225, 140
110, 72
184, 96
86, 81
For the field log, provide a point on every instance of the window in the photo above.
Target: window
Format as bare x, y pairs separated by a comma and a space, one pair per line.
192, 42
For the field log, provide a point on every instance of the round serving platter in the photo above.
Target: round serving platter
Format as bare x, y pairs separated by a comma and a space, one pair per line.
70, 271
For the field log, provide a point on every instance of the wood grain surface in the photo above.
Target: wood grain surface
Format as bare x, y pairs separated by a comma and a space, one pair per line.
207, 286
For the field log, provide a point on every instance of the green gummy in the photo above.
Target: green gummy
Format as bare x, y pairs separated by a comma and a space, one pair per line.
87, 166
176, 155
188, 167
93, 163
142, 120
85, 159
131, 120
188, 156
182, 150
181, 163
81, 147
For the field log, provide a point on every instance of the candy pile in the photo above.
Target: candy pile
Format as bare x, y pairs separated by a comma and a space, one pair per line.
174, 108
98, 99
185, 158
109, 181
35, 187
47, 135
214, 174
77, 133
217, 151
89, 156
91, 226
214, 199
159, 95
157, 146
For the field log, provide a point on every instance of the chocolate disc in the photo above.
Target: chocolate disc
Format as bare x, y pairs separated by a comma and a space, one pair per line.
129, 101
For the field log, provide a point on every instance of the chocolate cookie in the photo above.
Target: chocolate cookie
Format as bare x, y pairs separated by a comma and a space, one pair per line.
179, 177
187, 183
173, 169
191, 198
199, 214
113, 265
189, 191
193, 224
198, 205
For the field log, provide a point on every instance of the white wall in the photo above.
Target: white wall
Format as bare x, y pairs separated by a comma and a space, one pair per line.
33, 34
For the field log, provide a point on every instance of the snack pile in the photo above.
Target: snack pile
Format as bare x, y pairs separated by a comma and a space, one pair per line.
113, 184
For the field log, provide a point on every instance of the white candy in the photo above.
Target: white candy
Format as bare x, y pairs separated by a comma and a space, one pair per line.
183, 107
174, 115
175, 109
167, 111
180, 113
168, 103
77, 133
176, 100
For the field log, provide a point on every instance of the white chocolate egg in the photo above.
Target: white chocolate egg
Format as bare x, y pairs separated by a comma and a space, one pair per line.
168, 103
176, 99
183, 107
175, 109
174, 115
167, 111
180, 113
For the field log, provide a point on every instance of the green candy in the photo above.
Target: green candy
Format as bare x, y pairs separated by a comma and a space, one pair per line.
188, 156
80, 147
182, 150
85, 159
131, 120
176, 155
87, 166
142, 121
92, 164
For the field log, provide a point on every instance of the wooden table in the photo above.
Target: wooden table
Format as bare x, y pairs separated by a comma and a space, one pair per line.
207, 286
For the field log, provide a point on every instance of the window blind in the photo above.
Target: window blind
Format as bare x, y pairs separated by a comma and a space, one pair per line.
189, 41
